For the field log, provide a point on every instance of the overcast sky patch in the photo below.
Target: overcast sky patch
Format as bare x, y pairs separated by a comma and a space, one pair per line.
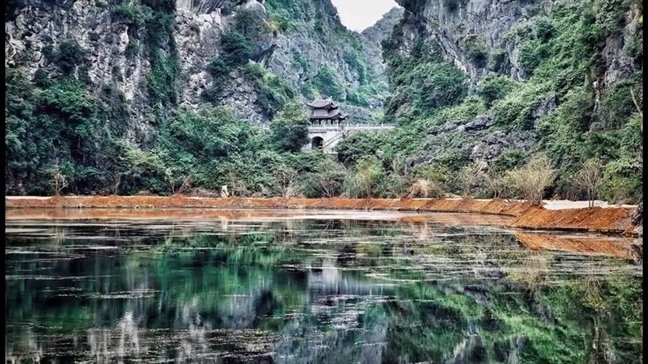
360, 14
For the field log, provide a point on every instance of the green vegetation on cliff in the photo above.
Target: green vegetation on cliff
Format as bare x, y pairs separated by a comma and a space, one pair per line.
63, 136
574, 107
573, 103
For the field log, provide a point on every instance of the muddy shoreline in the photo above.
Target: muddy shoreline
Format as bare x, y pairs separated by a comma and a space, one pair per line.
609, 220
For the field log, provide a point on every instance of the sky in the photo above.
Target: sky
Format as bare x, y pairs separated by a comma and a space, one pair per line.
361, 14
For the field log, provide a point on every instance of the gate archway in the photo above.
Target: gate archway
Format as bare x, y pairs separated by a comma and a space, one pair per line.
317, 142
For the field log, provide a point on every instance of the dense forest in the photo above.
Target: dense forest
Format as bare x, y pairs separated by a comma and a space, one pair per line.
556, 99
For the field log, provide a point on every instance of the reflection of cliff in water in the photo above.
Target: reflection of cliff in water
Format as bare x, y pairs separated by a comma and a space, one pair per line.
322, 291
335, 326
249, 322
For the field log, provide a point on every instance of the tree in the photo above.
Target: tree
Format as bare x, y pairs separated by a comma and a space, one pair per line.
59, 182
495, 184
328, 179
423, 187
532, 179
289, 129
437, 175
357, 146
237, 48
238, 187
590, 179
287, 182
469, 176
360, 182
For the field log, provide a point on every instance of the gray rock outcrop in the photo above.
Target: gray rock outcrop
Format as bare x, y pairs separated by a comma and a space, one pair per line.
117, 56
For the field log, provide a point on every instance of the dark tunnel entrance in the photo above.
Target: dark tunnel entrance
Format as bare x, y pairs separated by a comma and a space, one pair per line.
317, 142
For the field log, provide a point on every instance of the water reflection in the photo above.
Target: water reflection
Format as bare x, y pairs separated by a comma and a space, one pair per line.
314, 291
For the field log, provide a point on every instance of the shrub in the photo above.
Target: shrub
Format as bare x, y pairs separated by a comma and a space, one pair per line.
589, 178
391, 185
496, 186
41, 79
623, 180
328, 83
250, 24
300, 60
531, 54
469, 176
161, 80
515, 110
59, 182
439, 85
357, 98
426, 188
273, 92
69, 57
287, 183
361, 180
289, 130
326, 181
617, 104
308, 91
358, 146
476, 51
217, 67
284, 21
495, 87
355, 63
236, 48
532, 179
499, 61
162, 52
544, 29
508, 160
130, 13
610, 15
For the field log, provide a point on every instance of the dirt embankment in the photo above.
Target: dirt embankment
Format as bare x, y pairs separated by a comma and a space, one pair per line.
595, 219
576, 244
608, 220
498, 207
185, 214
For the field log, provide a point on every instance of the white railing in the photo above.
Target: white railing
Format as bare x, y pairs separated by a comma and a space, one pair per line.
369, 126
332, 141
324, 128
321, 129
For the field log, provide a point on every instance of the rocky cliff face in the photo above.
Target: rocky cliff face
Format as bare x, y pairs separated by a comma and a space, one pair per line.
119, 45
373, 37
523, 65
476, 35
111, 42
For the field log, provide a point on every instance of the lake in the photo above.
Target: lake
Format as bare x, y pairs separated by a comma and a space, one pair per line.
247, 286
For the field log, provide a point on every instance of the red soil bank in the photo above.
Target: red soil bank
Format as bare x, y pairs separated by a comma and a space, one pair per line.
414, 218
581, 245
610, 220
498, 207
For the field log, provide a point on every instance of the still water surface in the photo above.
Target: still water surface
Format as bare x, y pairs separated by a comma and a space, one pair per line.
310, 288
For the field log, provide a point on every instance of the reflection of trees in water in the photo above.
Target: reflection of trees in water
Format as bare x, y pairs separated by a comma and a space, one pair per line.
130, 338
532, 272
357, 340
497, 322
474, 298
29, 351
